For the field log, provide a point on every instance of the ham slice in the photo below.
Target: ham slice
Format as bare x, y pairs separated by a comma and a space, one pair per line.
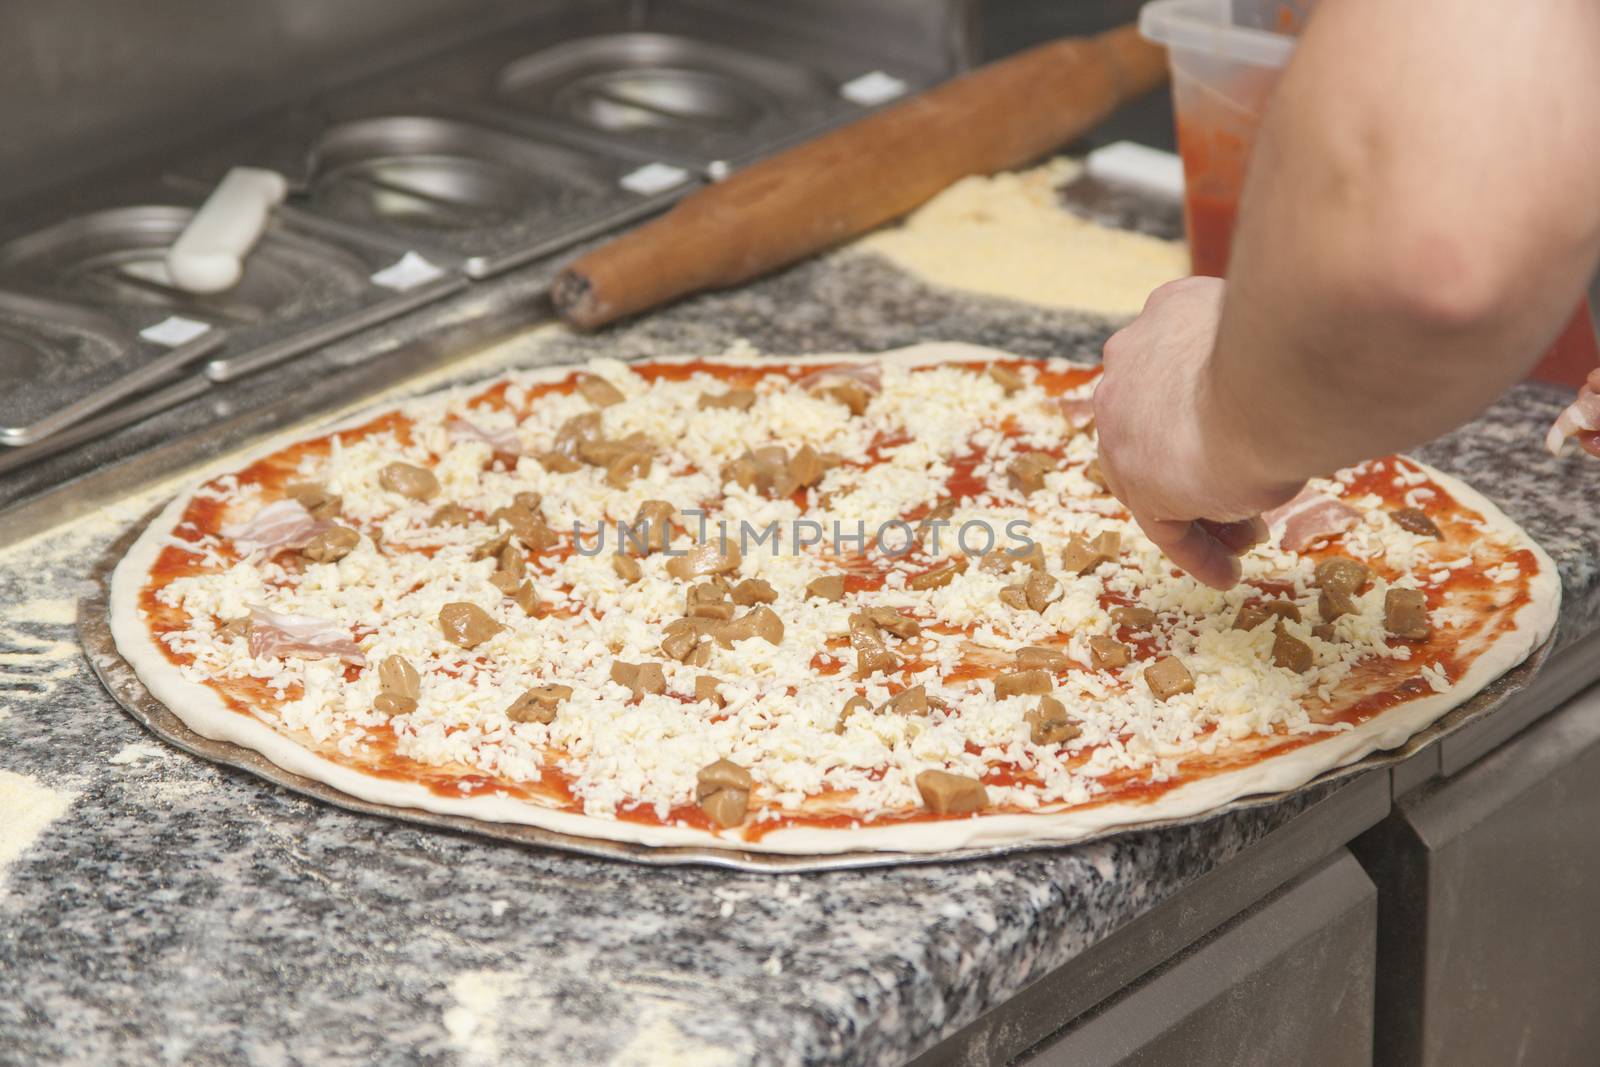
1078, 411
464, 429
862, 373
1580, 421
1309, 517
278, 636
282, 525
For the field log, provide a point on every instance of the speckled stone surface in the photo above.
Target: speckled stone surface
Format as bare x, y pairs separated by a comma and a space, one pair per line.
183, 913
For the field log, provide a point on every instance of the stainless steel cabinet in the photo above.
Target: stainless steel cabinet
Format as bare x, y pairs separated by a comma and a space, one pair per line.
1489, 905
1288, 981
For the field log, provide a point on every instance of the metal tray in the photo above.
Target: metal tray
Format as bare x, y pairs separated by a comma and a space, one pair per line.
124, 686
62, 362
451, 182
669, 91
299, 290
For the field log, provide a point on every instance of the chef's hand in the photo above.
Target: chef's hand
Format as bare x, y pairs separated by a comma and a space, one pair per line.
1168, 447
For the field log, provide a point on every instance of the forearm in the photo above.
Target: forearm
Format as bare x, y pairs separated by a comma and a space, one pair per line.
1410, 237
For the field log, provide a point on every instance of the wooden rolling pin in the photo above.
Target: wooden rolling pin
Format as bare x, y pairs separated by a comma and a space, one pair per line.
844, 183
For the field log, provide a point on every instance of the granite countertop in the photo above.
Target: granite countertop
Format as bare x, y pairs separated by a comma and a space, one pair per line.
176, 911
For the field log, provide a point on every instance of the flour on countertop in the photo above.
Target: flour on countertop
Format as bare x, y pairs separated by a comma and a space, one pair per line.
473, 1023
659, 1043
1007, 236
28, 808
136, 752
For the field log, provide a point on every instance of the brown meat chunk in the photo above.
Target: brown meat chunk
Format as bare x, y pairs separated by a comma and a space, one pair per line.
1339, 574
1291, 652
1008, 380
1252, 615
679, 639
418, 483
525, 597
511, 561
315, 498
1096, 476
894, 621
912, 701
722, 790
527, 524
872, 655
709, 557
1023, 683
830, 587
726, 808
1082, 556
331, 545
754, 591
708, 601
1048, 723
467, 625
451, 514
239, 627
1332, 603
642, 678
723, 774
579, 430
1168, 677
492, 547
1040, 591
627, 569
760, 622
1415, 520
1015, 596
951, 794
851, 706
1040, 658
626, 467
706, 690
599, 392
393, 704
539, 704
396, 675
1133, 617
558, 462
733, 399
851, 394
651, 529
603, 453
807, 467
1405, 614
938, 577
1107, 653
1026, 472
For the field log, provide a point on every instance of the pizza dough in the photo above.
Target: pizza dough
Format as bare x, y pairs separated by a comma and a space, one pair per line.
621, 759
1007, 236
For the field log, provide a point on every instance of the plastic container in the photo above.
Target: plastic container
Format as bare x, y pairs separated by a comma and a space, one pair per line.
1226, 56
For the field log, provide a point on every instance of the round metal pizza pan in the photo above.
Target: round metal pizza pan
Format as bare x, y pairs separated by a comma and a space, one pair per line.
114, 672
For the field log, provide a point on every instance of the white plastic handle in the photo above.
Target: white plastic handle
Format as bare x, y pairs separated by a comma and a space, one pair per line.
208, 256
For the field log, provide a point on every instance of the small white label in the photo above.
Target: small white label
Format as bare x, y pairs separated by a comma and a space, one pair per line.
872, 89
174, 331
1147, 169
653, 178
410, 271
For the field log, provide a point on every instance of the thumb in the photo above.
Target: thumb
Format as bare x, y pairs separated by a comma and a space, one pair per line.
1196, 550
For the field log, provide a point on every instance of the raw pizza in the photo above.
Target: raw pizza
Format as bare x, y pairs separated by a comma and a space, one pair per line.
807, 605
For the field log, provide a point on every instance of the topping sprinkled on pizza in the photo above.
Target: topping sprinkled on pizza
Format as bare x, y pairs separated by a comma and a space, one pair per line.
744, 596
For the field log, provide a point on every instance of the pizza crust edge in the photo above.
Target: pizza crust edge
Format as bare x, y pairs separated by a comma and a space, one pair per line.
202, 709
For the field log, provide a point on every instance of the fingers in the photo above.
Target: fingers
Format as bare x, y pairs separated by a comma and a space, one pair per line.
1196, 551
1238, 537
